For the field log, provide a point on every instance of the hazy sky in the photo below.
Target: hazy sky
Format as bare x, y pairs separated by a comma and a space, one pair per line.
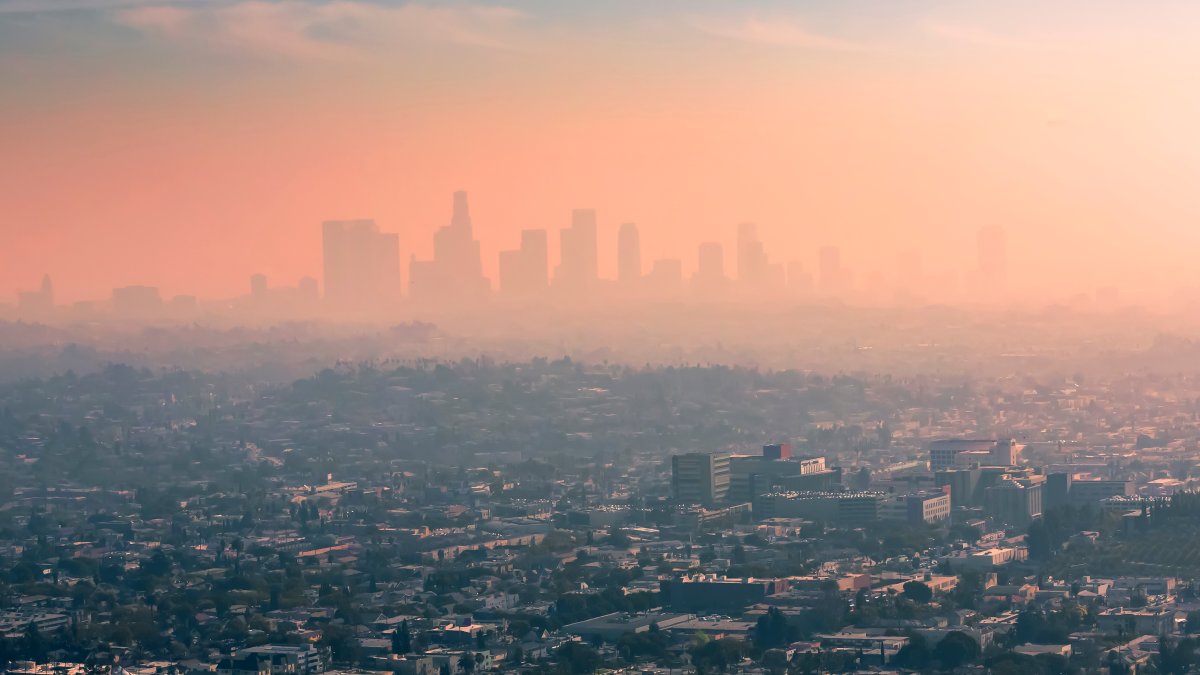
190, 144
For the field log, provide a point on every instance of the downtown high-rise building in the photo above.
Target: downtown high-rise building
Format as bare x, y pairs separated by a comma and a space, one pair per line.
751, 257
456, 271
833, 279
578, 267
629, 254
39, 302
710, 269
524, 271
362, 265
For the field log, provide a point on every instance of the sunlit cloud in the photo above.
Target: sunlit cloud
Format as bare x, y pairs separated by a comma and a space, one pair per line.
776, 31
339, 30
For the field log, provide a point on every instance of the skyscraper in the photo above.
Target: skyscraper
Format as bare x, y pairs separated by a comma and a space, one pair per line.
258, 285
524, 271
833, 279
578, 267
629, 254
752, 259
362, 265
456, 271
41, 301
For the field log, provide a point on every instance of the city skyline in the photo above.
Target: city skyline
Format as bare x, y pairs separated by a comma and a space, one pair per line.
198, 129
362, 271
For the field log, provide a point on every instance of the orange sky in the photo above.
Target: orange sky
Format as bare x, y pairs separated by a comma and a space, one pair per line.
189, 145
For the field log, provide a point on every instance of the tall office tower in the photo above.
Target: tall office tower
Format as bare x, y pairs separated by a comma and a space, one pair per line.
31, 303
579, 264
629, 254
46, 290
258, 285
524, 271
535, 249
700, 477
752, 259
456, 271
362, 265
993, 260
831, 276
910, 275
461, 217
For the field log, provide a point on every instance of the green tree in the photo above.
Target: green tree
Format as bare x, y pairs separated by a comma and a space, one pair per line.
918, 591
577, 658
956, 649
402, 639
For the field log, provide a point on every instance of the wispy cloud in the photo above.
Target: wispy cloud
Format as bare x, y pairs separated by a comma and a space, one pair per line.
978, 36
53, 6
775, 31
313, 29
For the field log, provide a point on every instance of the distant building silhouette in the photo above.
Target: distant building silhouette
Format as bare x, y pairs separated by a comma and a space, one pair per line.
665, 278
834, 280
751, 258
578, 269
258, 286
629, 254
710, 263
308, 288
362, 265
456, 271
136, 301
525, 271
39, 302
710, 269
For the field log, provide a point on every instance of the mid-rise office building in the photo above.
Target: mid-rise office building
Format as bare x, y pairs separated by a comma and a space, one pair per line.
967, 452
1015, 501
1092, 492
776, 470
700, 477
840, 509
919, 508
712, 593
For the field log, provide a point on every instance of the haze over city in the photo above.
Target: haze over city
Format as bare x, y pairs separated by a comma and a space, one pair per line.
188, 146
553, 337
